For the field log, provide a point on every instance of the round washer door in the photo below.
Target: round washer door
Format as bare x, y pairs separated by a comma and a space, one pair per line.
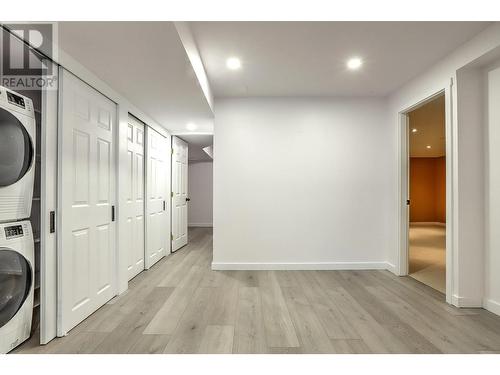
15, 283
16, 149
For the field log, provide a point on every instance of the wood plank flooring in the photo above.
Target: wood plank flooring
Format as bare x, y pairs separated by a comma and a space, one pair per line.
181, 306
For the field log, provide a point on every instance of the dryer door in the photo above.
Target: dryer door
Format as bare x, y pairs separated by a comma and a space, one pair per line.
16, 149
15, 283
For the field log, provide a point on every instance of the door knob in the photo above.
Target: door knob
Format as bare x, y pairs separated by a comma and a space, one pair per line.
188, 199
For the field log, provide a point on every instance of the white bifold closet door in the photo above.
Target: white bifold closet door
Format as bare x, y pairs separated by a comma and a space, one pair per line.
157, 208
134, 203
179, 193
86, 251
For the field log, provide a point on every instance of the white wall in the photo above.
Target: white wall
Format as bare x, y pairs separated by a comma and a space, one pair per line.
302, 183
200, 191
470, 203
492, 254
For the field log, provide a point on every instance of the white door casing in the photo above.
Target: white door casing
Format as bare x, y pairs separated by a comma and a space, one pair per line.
179, 193
86, 168
133, 208
157, 187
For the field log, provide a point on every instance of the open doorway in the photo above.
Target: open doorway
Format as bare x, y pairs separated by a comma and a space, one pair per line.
199, 176
427, 193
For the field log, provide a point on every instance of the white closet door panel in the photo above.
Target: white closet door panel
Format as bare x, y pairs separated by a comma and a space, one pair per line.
86, 255
134, 206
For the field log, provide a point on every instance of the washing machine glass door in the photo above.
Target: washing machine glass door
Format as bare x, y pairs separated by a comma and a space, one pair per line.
15, 283
16, 149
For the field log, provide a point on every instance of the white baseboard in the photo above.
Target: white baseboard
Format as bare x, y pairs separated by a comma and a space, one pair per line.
300, 266
391, 268
466, 301
492, 306
200, 225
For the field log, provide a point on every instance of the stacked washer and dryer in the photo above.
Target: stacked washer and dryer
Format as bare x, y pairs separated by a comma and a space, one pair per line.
17, 175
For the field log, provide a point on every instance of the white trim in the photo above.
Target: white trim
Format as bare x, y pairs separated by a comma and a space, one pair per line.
222, 266
200, 225
492, 306
48, 199
403, 213
466, 302
48, 194
391, 268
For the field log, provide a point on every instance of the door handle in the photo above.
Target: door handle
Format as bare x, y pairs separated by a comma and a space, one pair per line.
112, 213
52, 222
188, 199
163, 205
407, 202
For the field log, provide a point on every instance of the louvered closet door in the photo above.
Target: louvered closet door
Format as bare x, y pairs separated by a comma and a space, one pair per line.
157, 175
180, 191
134, 205
86, 251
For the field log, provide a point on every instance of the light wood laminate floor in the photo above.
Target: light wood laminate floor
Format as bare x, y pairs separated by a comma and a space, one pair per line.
428, 254
181, 306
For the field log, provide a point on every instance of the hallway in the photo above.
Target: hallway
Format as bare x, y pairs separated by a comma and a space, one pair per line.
182, 306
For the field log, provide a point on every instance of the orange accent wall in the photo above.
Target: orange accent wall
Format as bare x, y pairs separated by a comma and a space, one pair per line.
428, 189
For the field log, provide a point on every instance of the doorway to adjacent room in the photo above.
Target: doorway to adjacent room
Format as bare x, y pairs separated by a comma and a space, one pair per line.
427, 194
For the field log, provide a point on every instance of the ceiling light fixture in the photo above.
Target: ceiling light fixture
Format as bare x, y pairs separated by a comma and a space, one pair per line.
233, 63
191, 126
354, 63
428, 146
414, 130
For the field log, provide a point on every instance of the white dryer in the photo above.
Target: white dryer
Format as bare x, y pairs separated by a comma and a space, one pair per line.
17, 155
17, 281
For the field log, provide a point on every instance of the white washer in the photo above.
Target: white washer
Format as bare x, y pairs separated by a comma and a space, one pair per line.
17, 281
17, 155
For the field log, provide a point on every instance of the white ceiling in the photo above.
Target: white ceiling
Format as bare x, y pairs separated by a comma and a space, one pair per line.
196, 143
429, 120
146, 63
308, 58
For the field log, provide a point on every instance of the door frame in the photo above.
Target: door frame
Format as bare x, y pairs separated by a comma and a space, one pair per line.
49, 197
117, 271
451, 184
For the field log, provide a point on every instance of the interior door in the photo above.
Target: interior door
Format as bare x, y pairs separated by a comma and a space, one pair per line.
158, 223
86, 254
179, 192
134, 204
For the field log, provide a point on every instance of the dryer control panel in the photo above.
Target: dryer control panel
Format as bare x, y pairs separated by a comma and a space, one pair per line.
16, 102
16, 99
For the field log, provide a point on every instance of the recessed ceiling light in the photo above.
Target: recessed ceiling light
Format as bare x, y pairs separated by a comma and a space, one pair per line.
414, 130
428, 146
354, 63
191, 126
233, 63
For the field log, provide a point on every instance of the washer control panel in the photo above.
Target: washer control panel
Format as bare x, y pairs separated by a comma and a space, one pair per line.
13, 231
